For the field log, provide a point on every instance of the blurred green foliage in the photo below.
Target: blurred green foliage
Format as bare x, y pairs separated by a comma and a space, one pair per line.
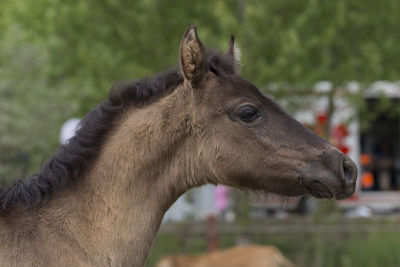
59, 58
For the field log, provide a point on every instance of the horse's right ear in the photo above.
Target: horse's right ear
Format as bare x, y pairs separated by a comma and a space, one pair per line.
233, 52
193, 57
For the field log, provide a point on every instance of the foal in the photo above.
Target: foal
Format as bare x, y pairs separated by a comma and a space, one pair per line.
100, 200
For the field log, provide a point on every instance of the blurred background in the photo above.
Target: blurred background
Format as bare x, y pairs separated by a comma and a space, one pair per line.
334, 65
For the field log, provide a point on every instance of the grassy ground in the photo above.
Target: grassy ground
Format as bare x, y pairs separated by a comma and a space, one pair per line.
331, 243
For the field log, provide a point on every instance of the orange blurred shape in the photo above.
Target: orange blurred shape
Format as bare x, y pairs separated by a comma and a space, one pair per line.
365, 159
367, 180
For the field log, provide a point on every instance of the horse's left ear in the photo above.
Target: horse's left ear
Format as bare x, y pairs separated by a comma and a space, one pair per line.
193, 57
233, 52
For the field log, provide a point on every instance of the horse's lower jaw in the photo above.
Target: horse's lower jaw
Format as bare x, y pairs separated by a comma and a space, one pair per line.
318, 194
345, 194
319, 190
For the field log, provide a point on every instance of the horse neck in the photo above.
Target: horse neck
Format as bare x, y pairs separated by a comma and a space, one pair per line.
143, 168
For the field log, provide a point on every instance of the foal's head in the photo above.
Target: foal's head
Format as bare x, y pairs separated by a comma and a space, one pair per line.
246, 140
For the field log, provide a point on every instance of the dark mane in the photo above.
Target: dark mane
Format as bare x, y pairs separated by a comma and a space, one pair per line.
72, 160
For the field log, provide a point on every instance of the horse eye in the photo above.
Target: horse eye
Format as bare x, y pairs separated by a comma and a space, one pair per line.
247, 113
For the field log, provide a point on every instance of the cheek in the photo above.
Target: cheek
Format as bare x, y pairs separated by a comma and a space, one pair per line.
231, 158
268, 136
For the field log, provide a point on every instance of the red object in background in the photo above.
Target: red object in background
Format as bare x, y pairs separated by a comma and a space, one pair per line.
344, 149
338, 132
321, 118
353, 197
342, 129
338, 135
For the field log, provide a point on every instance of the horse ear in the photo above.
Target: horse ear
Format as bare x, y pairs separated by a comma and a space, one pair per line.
193, 57
234, 53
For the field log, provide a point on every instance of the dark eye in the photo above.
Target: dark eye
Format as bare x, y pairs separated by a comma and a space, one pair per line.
248, 113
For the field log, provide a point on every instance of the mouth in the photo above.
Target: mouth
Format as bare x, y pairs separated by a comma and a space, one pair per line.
318, 189
345, 194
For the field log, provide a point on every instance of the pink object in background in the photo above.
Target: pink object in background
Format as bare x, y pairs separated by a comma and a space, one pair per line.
221, 197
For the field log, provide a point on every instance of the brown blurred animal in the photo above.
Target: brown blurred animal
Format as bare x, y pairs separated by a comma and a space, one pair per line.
241, 256
100, 200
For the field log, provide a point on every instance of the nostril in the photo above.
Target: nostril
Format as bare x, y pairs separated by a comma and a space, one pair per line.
348, 170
